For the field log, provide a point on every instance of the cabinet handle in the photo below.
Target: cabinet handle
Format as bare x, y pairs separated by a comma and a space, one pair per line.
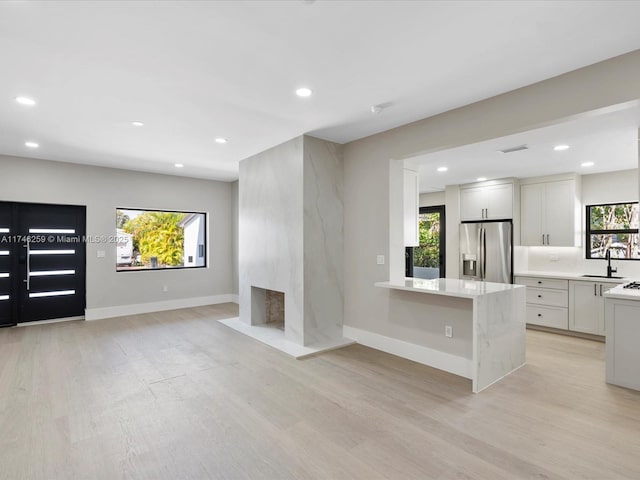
539, 296
600, 289
543, 238
548, 242
595, 290
539, 282
539, 314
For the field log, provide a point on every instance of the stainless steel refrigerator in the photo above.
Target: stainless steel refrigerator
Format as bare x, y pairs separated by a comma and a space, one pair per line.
486, 251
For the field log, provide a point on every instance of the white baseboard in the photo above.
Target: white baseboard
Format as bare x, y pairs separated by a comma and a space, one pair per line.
428, 356
235, 298
134, 309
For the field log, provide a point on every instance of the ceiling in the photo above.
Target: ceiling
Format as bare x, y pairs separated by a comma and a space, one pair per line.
194, 71
608, 141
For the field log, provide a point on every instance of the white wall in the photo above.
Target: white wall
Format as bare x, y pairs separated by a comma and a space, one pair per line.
432, 199
234, 237
610, 187
452, 221
369, 212
104, 189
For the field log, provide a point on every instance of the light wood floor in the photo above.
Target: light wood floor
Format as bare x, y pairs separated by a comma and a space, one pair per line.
178, 395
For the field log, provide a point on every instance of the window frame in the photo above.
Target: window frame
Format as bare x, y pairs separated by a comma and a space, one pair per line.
441, 209
170, 269
589, 232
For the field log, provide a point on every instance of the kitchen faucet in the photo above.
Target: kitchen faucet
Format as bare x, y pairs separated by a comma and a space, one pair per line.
610, 269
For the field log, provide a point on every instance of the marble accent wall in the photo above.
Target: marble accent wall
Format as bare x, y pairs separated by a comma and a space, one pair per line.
291, 235
323, 241
270, 241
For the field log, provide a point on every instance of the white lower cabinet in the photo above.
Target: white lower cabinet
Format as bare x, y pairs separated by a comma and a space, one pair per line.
586, 306
623, 338
555, 317
574, 305
547, 301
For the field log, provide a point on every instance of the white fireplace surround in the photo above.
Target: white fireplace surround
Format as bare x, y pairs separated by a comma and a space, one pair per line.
291, 241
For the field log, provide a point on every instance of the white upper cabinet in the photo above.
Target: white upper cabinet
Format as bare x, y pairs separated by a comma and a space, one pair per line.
531, 225
491, 202
473, 202
500, 202
411, 208
550, 214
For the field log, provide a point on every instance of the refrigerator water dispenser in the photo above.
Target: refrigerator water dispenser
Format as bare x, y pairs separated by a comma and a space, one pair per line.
469, 265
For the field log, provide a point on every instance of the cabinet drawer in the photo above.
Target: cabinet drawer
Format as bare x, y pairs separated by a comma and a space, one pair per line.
555, 283
554, 317
545, 296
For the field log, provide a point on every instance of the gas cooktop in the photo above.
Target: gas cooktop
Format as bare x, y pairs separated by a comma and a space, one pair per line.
632, 285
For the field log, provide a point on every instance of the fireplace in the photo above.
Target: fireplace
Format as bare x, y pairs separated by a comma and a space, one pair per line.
267, 307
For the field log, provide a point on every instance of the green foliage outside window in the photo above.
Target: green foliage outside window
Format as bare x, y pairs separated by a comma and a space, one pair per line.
158, 234
428, 253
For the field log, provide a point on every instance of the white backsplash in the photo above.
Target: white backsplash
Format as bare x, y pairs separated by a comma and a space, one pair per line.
569, 260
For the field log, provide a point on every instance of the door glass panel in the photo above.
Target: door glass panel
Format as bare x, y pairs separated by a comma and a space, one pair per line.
52, 230
56, 293
52, 252
51, 272
428, 257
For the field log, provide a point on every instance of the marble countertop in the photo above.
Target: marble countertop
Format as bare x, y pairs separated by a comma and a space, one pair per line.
623, 293
451, 287
570, 276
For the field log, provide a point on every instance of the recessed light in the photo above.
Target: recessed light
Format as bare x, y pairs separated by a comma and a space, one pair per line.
560, 148
481, 179
587, 164
31, 144
442, 169
137, 124
25, 101
221, 140
178, 165
304, 92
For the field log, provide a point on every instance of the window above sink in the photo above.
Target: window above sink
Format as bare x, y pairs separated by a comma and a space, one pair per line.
614, 228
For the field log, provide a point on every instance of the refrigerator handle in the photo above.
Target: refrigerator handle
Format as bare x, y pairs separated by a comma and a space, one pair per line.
484, 254
479, 254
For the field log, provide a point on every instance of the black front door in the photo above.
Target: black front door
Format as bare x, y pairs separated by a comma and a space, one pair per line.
42, 262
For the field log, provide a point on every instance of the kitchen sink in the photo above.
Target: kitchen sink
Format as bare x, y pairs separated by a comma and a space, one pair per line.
600, 276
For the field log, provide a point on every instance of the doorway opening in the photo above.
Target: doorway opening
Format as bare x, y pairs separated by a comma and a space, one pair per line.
428, 259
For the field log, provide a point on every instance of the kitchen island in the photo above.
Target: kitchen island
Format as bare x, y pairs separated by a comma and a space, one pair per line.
622, 315
483, 338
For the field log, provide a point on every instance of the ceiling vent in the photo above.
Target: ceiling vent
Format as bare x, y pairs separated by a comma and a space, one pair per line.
515, 149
